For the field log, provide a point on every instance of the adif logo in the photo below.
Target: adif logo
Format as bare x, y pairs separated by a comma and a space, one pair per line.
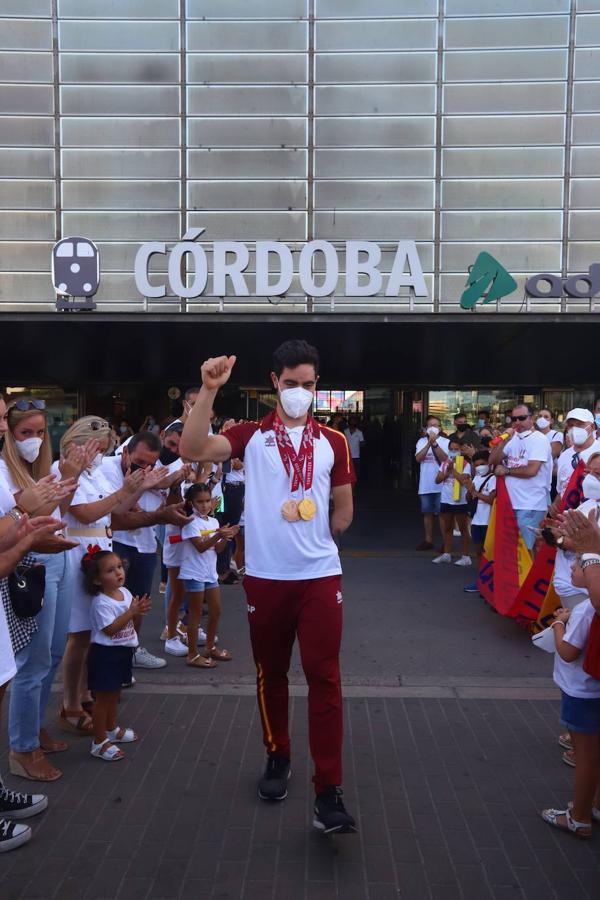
251, 609
270, 441
487, 280
339, 597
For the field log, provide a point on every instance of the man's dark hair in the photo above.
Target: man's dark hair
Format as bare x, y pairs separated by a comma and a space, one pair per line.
295, 353
151, 440
194, 389
519, 405
460, 415
482, 455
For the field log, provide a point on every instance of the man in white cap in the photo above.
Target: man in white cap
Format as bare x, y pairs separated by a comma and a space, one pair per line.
581, 429
524, 460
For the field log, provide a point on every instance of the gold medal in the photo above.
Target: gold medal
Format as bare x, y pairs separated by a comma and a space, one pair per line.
290, 511
307, 509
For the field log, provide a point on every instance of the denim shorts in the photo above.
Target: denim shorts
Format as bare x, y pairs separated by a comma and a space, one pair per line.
577, 714
430, 504
199, 586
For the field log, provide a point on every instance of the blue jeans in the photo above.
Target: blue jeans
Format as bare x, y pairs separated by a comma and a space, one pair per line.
140, 568
528, 521
37, 663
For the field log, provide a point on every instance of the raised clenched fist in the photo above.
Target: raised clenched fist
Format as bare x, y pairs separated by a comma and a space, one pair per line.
215, 372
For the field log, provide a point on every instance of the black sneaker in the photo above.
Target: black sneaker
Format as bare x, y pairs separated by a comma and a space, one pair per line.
273, 784
21, 806
12, 835
330, 813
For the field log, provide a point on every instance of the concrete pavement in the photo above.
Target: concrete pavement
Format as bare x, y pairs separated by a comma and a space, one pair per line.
450, 753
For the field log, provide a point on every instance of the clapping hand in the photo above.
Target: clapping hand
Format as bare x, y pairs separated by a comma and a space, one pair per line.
77, 458
581, 533
140, 606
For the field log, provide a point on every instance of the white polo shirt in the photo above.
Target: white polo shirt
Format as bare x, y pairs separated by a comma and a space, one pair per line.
198, 566
354, 438
143, 539
277, 549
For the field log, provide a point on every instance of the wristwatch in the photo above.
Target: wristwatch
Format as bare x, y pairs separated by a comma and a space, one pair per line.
560, 540
586, 563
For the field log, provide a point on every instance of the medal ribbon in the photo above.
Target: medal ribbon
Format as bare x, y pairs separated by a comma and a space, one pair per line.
291, 459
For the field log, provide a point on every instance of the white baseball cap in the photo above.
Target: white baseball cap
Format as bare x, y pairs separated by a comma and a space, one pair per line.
583, 415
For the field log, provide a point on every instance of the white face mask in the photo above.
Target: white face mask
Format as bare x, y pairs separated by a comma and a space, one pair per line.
591, 487
578, 435
433, 430
296, 401
29, 449
542, 423
97, 461
482, 470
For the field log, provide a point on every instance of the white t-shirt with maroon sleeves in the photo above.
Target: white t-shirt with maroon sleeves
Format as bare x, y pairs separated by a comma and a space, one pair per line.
277, 549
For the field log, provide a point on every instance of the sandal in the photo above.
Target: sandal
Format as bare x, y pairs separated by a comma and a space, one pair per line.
568, 758
564, 741
33, 766
106, 751
122, 735
48, 745
75, 721
220, 654
595, 812
201, 662
582, 830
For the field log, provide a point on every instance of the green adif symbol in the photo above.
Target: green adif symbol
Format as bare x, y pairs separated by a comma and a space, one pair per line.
487, 279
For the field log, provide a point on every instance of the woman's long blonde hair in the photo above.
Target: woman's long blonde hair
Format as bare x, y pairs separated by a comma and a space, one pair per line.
22, 473
85, 428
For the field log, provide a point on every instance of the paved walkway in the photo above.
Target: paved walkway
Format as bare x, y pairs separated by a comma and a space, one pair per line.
447, 794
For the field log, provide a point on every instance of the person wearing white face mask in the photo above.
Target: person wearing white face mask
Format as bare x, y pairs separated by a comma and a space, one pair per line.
430, 453
544, 423
585, 445
482, 489
88, 522
26, 459
293, 571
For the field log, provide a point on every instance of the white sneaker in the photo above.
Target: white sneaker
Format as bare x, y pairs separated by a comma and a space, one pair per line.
444, 558
142, 659
464, 561
202, 637
175, 647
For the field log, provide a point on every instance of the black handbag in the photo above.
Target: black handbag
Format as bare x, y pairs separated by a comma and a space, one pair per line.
26, 587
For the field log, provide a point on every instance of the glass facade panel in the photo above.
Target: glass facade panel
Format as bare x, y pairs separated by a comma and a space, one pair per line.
254, 121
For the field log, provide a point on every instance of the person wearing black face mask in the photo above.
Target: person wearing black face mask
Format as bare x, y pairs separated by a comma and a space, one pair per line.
170, 439
464, 433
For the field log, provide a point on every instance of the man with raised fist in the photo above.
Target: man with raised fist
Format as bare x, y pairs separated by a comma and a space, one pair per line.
293, 572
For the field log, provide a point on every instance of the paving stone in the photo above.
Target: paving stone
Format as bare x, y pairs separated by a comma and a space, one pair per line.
439, 817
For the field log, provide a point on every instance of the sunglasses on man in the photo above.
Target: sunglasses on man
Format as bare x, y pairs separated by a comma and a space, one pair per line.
519, 418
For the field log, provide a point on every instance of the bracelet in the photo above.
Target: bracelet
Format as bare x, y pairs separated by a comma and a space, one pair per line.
586, 563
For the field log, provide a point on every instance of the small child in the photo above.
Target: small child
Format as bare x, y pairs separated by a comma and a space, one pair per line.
451, 509
580, 713
112, 644
482, 489
202, 539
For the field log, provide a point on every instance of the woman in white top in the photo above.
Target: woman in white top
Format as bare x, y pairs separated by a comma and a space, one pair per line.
26, 459
544, 423
89, 523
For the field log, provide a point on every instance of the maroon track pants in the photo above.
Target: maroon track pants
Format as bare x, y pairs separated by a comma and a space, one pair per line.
311, 609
